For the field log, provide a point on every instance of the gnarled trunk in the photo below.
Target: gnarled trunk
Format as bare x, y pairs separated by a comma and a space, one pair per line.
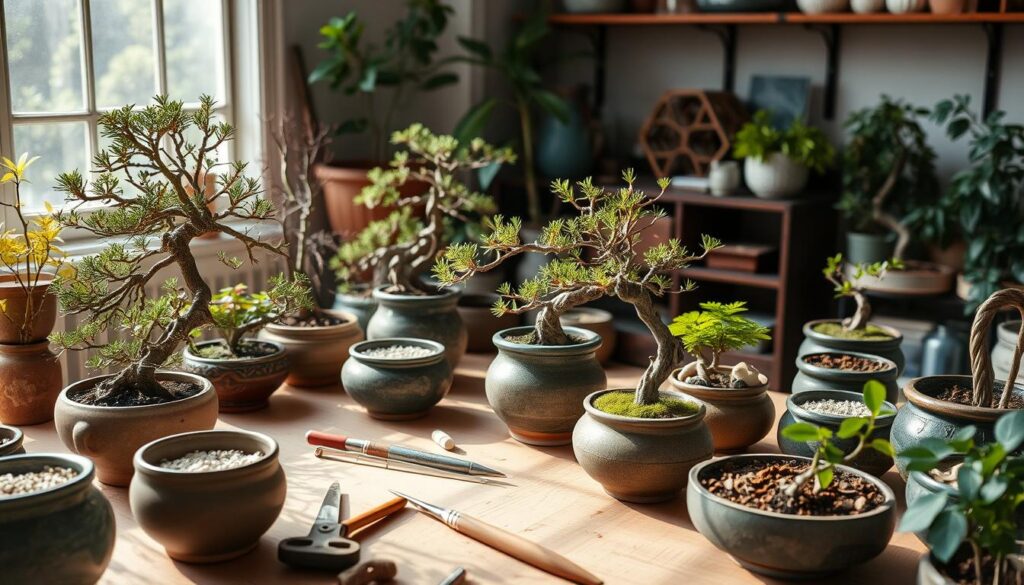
860, 317
548, 327
669, 348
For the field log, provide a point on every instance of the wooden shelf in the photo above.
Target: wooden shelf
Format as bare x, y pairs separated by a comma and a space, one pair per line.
782, 18
732, 277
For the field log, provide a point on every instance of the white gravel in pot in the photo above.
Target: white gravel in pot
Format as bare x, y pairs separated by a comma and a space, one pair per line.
35, 481
846, 408
215, 460
398, 352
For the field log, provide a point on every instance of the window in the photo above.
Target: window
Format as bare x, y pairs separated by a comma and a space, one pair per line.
67, 61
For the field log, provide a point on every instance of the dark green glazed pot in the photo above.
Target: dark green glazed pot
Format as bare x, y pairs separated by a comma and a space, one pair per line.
11, 439
397, 388
362, 305
788, 546
61, 535
810, 377
868, 248
433, 317
815, 342
538, 390
869, 460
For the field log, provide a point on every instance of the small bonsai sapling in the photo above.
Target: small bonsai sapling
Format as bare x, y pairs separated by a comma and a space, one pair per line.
716, 328
984, 513
600, 256
237, 313
400, 248
836, 273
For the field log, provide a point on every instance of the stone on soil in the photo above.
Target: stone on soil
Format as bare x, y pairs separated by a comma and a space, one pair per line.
215, 460
34, 481
844, 408
398, 352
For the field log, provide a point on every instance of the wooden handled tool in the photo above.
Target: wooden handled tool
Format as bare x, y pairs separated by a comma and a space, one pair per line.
370, 516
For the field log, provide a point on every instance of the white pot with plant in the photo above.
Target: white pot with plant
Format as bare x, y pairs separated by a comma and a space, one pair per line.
778, 162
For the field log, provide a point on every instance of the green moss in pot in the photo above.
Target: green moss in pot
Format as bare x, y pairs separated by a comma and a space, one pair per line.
397, 378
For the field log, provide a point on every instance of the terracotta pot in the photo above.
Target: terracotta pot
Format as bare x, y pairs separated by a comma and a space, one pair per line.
481, 323
432, 317
242, 384
63, 535
597, 320
737, 417
811, 377
397, 388
16, 299
30, 380
342, 183
11, 441
867, 6
316, 354
209, 516
110, 435
889, 349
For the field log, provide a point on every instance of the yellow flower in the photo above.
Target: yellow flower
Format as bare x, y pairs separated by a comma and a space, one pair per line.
16, 170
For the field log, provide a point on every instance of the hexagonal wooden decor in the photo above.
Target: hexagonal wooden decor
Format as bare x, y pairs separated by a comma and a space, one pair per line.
688, 129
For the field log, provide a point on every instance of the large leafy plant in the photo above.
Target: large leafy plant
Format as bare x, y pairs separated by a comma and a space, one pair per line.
804, 144
236, 312
844, 284
984, 511
715, 329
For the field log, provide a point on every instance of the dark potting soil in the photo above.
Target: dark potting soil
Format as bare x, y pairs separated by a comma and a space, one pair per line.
531, 339
844, 362
313, 320
179, 390
247, 349
960, 395
760, 484
960, 569
717, 379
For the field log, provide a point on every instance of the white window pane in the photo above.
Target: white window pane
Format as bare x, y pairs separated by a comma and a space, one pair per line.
122, 48
44, 51
194, 47
60, 147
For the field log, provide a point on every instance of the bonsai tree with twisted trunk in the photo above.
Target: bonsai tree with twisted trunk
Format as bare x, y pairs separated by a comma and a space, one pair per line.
601, 256
843, 286
163, 152
401, 248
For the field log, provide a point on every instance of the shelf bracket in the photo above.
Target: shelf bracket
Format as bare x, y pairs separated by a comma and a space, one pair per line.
600, 42
993, 65
726, 33
830, 34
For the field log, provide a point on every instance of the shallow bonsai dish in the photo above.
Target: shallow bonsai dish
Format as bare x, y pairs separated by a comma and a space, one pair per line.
397, 388
918, 278
11, 441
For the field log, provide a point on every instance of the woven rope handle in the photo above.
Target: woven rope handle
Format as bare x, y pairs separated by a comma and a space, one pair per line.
981, 361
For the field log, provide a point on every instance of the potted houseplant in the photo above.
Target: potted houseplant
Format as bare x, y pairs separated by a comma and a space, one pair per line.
855, 333
397, 378
778, 162
30, 375
888, 182
246, 371
404, 64
941, 406
973, 532
739, 411
402, 248
822, 515
108, 417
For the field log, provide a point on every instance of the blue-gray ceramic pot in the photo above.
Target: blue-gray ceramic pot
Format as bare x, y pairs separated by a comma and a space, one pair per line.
397, 388
538, 390
865, 248
641, 460
925, 416
815, 342
869, 460
362, 305
242, 384
786, 545
810, 377
433, 317
11, 441
64, 534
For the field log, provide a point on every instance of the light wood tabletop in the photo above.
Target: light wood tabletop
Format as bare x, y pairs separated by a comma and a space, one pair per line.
552, 502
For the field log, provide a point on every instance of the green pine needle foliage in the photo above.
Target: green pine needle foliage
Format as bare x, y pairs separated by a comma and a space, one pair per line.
717, 328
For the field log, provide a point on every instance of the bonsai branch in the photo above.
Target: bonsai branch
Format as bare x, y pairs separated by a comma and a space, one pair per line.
878, 202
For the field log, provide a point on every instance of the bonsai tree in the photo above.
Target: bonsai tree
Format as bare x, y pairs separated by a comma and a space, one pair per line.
984, 515
716, 328
30, 251
236, 313
803, 144
888, 171
163, 151
401, 248
836, 273
600, 257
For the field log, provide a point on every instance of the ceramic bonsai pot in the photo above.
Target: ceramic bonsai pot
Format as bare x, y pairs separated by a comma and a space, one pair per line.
814, 377
362, 305
64, 534
207, 516
869, 461
1002, 353
242, 384
597, 320
737, 417
914, 279
888, 348
11, 441
788, 546
15, 298
865, 248
316, 353
481, 323
538, 390
30, 380
433, 317
110, 435
775, 177
640, 460
397, 388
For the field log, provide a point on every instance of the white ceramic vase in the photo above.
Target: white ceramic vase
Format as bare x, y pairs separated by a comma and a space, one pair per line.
822, 6
724, 177
775, 177
904, 6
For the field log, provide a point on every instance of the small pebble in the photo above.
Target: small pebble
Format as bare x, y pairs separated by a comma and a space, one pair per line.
34, 481
398, 352
744, 376
837, 407
197, 461
4, 440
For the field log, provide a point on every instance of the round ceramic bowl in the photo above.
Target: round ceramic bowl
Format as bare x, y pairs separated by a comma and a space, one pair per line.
316, 354
242, 384
788, 546
869, 460
481, 323
815, 342
434, 317
11, 441
64, 534
397, 388
737, 417
207, 516
811, 377
636, 459
597, 320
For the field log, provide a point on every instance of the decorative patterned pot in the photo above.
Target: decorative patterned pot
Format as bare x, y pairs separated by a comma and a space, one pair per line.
64, 534
110, 435
538, 390
788, 546
397, 388
242, 384
889, 349
481, 323
316, 354
30, 380
208, 516
363, 306
737, 417
810, 377
640, 460
775, 177
16, 300
11, 441
433, 317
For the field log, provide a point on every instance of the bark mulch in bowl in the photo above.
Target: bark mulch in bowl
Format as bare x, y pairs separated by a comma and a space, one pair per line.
960, 395
844, 362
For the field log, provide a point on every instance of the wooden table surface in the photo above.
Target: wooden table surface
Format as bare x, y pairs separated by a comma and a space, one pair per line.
553, 502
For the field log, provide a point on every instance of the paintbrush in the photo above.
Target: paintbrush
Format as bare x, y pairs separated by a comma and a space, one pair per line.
400, 453
371, 461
